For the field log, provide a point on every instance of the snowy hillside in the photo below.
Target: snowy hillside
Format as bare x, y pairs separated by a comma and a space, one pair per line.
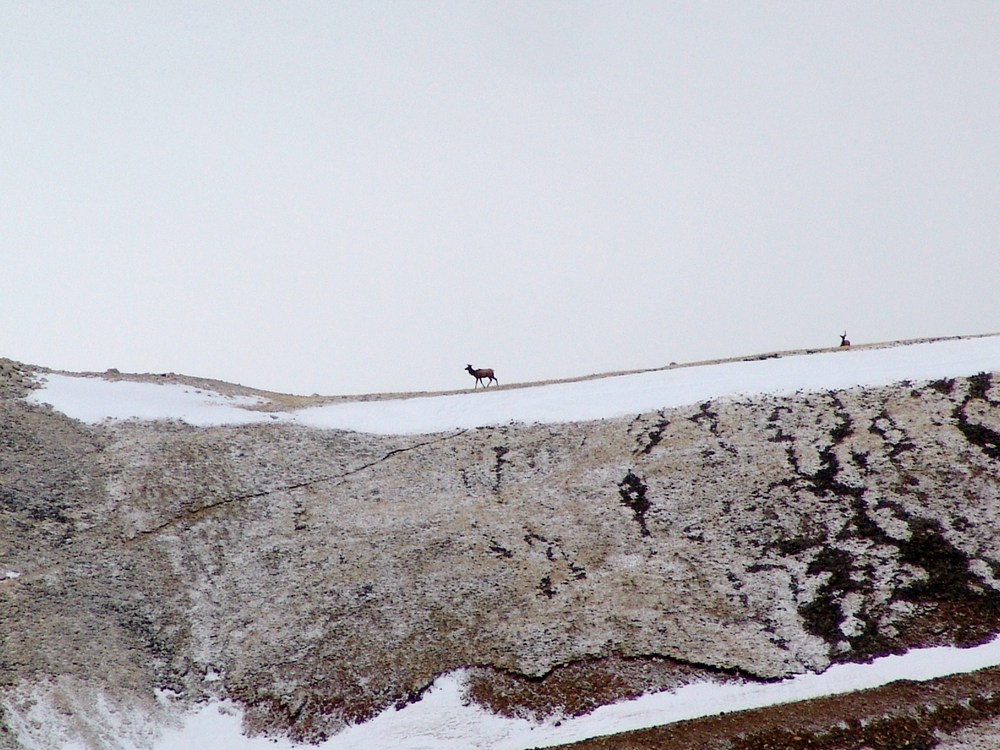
93, 399
242, 553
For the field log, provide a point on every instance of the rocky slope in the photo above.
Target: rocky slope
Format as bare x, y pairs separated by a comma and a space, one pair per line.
316, 577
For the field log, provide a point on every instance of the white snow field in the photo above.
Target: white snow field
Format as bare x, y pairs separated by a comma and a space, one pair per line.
441, 721
94, 400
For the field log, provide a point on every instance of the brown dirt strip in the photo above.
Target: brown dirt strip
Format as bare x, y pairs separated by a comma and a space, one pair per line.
911, 715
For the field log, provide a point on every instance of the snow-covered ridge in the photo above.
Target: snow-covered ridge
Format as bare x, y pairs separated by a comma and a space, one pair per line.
95, 400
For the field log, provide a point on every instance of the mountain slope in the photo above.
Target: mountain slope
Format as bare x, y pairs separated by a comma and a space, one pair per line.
315, 576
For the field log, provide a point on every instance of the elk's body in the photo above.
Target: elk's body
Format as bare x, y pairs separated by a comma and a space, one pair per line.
480, 375
843, 339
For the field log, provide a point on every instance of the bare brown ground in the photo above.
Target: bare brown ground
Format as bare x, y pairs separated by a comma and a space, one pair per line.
901, 715
578, 688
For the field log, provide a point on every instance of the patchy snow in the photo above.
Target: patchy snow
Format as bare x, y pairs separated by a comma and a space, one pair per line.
94, 400
65, 714
216, 725
441, 721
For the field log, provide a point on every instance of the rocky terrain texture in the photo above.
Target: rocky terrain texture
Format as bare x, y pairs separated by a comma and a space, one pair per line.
316, 577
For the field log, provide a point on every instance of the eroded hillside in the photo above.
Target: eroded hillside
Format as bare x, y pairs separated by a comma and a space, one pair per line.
317, 576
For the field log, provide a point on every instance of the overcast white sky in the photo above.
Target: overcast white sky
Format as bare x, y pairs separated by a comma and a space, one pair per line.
365, 196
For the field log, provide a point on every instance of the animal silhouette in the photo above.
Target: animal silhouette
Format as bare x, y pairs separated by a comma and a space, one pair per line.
484, 374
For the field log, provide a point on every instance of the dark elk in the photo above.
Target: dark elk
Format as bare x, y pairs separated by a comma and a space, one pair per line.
843, 339
480, 375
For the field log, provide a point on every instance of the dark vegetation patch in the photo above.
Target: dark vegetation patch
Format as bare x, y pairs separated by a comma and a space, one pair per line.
554, 553
774, 423
950, 603
500, 452
633, 496
545, 587
842, 429
823, 615
979, 386
797, 545
707, 415
883, 426
961, 608
944, 386
825, 481
498, 549
654, 436
981, 436
953, 605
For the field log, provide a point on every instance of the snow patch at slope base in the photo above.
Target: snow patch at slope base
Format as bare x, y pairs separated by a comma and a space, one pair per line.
67, 714
440, 721
56, 719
